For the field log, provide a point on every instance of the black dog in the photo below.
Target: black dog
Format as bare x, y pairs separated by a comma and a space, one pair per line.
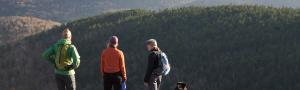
181, 86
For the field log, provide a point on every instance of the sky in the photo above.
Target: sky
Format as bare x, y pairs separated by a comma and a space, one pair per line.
176, 3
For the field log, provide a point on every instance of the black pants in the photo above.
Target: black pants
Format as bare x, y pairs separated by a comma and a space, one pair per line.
154, 83
112, 80
65, 82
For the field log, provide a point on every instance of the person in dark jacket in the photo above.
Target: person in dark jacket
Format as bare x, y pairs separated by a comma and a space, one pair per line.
152, 79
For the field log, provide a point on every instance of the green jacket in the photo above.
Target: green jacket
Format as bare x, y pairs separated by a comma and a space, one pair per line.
50, 53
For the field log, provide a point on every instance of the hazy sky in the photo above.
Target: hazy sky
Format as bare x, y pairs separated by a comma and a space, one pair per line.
172, 3
74, 9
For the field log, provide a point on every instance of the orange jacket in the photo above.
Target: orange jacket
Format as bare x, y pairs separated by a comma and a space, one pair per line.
112, 61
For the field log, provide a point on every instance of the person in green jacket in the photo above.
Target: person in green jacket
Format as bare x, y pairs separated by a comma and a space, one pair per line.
64, 57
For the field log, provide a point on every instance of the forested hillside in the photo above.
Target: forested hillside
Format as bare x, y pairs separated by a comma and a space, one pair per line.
14, 28
210, 48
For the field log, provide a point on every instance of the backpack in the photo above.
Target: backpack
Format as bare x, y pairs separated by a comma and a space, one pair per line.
163, 64
63, 58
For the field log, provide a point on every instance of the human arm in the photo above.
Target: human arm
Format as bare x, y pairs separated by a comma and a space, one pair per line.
150, 67
123, 66
75, 57
49, 55
102, 63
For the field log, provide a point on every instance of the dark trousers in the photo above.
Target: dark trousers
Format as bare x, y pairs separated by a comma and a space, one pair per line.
112, 80
154, 83
65, 82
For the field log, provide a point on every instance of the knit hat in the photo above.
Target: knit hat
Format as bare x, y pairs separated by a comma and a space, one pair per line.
152, 42
113, 40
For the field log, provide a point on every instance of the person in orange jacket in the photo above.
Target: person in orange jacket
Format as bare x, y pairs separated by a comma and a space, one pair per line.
113, 65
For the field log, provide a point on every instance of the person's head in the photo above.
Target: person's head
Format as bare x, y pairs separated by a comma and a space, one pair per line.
67, 34
152, 45
113, 42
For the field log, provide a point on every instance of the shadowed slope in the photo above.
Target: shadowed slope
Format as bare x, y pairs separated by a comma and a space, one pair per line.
213, 48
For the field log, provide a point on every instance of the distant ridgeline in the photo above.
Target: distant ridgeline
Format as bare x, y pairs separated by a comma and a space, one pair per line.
210, 48
66, 10
15, 28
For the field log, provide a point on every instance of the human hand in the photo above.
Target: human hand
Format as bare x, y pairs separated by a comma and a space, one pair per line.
69, 67
124, 79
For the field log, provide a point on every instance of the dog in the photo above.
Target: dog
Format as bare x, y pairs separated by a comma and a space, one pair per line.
181, 86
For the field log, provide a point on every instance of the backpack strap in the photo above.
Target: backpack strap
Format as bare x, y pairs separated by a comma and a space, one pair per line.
68, 51
159, 62
158, 56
